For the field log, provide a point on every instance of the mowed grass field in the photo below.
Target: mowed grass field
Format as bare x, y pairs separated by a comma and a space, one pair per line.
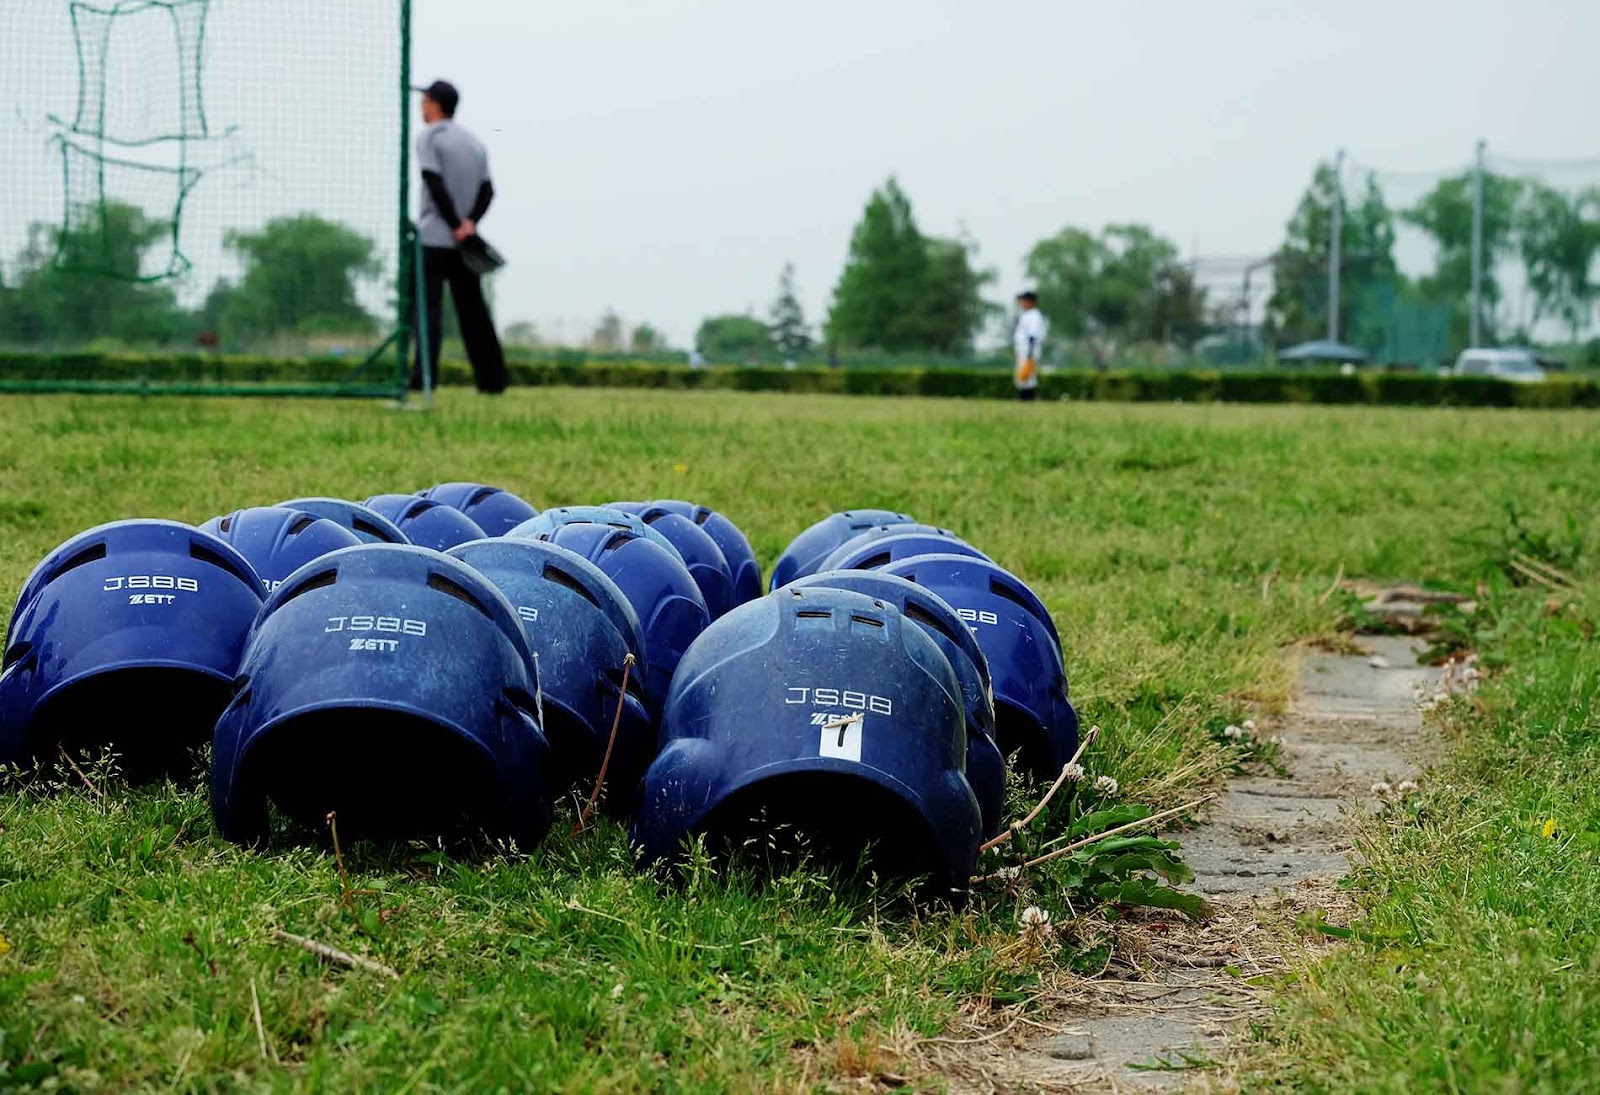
1184, 551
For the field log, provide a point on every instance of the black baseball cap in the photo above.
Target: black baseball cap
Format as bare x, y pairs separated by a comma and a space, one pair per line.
444, 93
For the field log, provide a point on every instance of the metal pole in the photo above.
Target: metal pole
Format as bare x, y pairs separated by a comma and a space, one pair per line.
424, 336
1477, 249
409, 271
1335, 239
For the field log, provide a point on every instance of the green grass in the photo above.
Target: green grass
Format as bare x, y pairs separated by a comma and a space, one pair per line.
1180, 549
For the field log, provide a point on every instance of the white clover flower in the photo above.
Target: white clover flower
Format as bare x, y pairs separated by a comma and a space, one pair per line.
1406, 786
1105, 785
1276, 739
1248, 726
1036, 923
1234, 732
1382, 789
616, 991
1075, 773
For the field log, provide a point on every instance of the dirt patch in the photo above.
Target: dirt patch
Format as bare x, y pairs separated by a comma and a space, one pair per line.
1269, 854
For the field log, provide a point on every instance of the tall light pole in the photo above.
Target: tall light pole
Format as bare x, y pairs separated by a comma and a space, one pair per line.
1476, 318
1335, 238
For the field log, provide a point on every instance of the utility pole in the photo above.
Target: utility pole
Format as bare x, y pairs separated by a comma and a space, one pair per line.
1477, 247
1335, 237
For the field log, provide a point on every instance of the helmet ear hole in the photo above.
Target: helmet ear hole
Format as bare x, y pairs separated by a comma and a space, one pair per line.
788, 820
1022, 739
385, 773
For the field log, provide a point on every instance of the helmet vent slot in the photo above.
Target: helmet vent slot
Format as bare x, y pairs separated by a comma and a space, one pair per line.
87, 555
562, 578
635, 681
226, 524
304, 522
881, 559
446, 586
918, 614
523, 701
814, 614
869, 621
326, 578
479, 495
217, 559
369, 529
15, 653
1003, 589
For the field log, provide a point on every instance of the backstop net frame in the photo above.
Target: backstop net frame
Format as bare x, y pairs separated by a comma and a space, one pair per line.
206, 199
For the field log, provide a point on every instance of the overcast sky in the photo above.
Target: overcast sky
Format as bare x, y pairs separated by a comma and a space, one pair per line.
667, 159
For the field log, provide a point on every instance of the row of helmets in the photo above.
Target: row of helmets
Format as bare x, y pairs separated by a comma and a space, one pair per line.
418, 661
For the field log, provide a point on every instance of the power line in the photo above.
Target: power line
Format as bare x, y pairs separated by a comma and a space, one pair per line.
1588, 163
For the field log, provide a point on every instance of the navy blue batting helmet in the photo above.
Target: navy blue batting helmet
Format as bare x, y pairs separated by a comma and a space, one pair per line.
494, 510
278, 540
395, 686
1033, 715
370, 526
425, 522
821, 713
581, 629
700, 553
540, 527
124, 615
874, 554
735, 547
881, 532
805, 552
672, 612
986, 765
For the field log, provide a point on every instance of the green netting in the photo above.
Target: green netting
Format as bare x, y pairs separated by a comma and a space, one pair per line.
212, 176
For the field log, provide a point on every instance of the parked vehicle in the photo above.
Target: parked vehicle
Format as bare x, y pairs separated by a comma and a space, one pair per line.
1517, 366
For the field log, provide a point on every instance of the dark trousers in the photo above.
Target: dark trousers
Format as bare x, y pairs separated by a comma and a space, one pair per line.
1027, 395
440, 265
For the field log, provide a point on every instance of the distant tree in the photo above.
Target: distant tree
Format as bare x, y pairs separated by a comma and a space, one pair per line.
1445, 213
82, 282
522, 333
300, 277
1298, 308
645, 339
950, 309
1558, 235
1065, 270
732, 339
787, 320
208, 317
875, 303
1128, 284
607, 336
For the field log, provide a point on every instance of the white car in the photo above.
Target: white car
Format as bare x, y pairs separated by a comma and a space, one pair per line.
1517, 366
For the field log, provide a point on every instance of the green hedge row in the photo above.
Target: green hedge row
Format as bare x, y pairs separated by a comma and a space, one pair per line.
196, 372
1194, 385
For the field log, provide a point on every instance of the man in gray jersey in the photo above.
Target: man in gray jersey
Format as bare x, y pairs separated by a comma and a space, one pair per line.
456, 193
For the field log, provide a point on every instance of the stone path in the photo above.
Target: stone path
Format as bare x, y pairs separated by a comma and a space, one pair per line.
1270, 841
